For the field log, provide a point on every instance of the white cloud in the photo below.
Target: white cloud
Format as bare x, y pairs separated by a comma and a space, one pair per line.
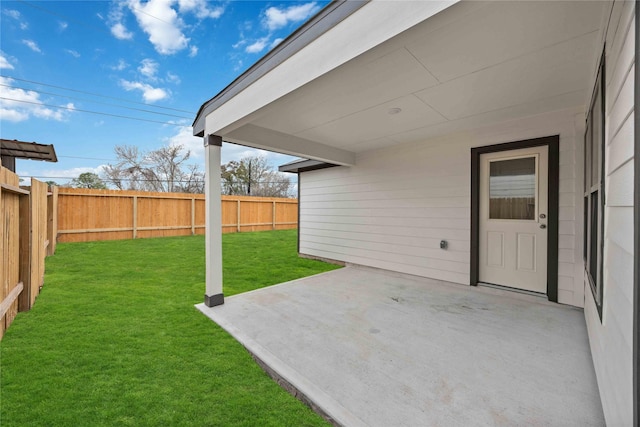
73, 53
121, 65
184, 136
12, 115
257, 46
275, 43
200, 8
114, 21
240, 42
32, 45
277, 18
4, 62
69, 173
161, 23
57, 115
62, 25
149, 93
19, 105
120, 32
173, 78
236, 152
148, 68
12, 13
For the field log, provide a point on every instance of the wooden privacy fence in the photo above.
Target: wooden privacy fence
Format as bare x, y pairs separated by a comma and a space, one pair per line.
88, 215
27, 235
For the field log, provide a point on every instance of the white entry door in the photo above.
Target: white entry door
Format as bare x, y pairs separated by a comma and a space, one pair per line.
513, 218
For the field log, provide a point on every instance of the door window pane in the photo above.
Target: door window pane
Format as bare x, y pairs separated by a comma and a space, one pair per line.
512, 189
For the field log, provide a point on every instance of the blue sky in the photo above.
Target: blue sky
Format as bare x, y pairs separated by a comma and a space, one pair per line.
68, 67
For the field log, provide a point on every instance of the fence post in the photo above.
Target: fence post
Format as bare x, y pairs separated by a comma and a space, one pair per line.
273, 216
24, 299
135, 216
193, 215
238, 221
52, 220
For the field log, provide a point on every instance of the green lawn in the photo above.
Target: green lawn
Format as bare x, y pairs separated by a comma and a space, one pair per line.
114, 338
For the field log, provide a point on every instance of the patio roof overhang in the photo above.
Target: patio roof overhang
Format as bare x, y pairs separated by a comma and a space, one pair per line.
14, 149
424, 69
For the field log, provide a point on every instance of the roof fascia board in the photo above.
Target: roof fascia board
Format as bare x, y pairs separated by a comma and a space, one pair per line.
324, 20
267, 139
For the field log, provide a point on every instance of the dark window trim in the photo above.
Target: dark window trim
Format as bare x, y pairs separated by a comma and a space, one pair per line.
598, 293
553, 142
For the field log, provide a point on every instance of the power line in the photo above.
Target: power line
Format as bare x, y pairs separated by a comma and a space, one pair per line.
97, 94
111, 180
95, 102
108, 180
91, 112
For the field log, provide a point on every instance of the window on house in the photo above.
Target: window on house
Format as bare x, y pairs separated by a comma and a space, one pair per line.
594, 189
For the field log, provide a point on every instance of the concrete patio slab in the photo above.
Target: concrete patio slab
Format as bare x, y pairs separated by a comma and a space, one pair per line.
370, 347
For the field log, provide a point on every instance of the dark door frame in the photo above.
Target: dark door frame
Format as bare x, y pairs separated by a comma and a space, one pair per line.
553, 142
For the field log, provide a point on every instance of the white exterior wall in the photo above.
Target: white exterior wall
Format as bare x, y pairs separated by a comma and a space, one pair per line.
394, 206
611, 339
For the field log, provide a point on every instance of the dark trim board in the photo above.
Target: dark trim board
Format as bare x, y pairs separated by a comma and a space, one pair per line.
553, 142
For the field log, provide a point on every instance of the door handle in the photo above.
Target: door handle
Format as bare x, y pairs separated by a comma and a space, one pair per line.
543, 226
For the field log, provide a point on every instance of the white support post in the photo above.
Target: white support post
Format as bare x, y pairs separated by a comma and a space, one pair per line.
213, 234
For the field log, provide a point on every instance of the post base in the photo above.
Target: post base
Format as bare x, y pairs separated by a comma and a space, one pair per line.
213, 300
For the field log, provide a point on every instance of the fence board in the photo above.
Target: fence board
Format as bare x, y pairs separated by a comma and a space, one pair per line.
24, 225
38, 213
88, 215
52, 219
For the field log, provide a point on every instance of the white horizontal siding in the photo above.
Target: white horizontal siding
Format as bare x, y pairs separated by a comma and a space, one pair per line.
394, 207
611, 338
389, 221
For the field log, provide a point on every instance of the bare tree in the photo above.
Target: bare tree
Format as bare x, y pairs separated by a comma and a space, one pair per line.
254, 177
162, 170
